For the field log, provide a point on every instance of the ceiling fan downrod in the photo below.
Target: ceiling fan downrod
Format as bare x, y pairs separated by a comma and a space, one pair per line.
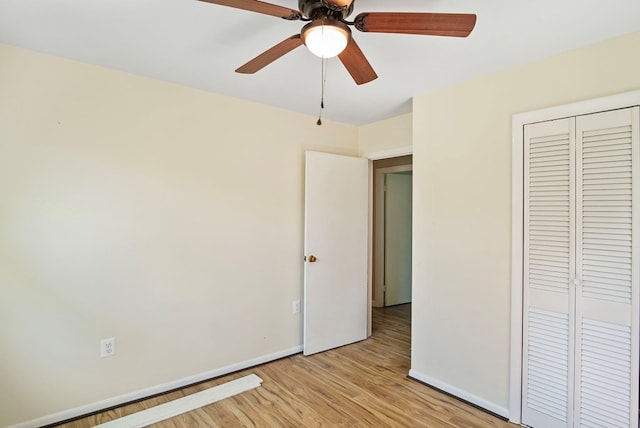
323, 9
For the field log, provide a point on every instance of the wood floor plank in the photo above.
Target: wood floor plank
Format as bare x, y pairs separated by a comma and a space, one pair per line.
360, 385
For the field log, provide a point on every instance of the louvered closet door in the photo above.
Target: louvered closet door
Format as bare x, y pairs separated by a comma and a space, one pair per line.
549, 254
581, 259
606, 270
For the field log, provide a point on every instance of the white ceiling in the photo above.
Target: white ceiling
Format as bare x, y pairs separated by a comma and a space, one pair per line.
200, 45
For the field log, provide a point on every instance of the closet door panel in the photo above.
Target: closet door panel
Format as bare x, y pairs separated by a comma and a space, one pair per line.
549, 254
606, 286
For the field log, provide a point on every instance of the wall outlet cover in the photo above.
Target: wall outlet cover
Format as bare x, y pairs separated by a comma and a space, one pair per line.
108, 347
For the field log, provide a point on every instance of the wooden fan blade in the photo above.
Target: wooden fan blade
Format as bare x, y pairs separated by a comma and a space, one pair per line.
356, 64
270, 55
260, 7
428, 24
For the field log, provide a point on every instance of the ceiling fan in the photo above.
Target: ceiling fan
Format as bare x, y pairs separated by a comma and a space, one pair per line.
327, 33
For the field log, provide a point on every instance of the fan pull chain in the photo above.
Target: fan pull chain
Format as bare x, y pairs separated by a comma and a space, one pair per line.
323, 76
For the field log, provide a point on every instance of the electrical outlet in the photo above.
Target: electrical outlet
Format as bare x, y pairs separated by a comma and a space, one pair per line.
108, 347
296, 306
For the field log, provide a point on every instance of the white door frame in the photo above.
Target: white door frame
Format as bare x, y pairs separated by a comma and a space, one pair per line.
378, 227
518, 121
384, 154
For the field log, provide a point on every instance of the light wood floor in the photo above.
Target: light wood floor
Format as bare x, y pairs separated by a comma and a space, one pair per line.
360, 385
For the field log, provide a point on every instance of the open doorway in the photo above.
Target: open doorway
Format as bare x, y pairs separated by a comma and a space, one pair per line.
392, 197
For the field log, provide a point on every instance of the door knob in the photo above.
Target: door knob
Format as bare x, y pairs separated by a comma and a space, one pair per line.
311, 259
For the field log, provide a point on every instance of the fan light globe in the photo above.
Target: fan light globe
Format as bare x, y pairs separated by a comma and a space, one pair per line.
325, 40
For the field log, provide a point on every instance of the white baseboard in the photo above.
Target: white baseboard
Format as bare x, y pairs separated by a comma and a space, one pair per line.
158, 389
464, 395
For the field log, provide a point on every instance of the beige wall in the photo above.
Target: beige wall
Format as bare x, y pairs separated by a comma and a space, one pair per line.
164, 216
386, 136
462, 208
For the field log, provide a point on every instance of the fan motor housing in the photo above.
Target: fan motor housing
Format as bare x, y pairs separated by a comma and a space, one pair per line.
318, 9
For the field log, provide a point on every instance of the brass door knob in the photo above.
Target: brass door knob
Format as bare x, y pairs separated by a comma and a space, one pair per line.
312, 259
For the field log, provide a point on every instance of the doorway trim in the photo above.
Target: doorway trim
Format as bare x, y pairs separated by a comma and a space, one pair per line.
378, 230
518, 122
383, 154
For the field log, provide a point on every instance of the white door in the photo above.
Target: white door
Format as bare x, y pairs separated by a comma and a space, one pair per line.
397, 239
606, 269
549, 268
336, 235
580, 365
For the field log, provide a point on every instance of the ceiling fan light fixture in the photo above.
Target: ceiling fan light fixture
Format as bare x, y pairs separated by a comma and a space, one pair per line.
326, 38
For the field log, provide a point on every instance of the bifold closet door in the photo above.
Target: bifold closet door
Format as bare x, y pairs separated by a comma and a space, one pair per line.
606, 269
580, 308
549, 267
